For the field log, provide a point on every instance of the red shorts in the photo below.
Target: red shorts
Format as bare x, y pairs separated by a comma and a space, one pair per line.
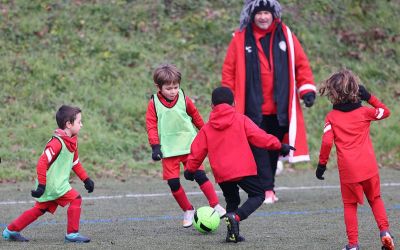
172, 167
51, 206
354, 192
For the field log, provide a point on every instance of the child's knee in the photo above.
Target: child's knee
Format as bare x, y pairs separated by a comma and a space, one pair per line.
174, 184
200, 177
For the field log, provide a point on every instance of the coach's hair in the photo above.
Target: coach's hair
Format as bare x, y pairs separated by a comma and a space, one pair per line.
66, 114
166, 74
341, 87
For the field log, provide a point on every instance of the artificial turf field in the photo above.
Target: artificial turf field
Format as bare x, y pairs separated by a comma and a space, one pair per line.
140, 213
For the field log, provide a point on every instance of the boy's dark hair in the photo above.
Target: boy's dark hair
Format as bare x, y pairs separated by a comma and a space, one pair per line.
222, 95
166, 74
66, 114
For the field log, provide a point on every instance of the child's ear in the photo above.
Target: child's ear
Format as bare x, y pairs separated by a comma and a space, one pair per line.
68, 124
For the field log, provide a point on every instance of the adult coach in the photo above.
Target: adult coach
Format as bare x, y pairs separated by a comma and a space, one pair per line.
268, 72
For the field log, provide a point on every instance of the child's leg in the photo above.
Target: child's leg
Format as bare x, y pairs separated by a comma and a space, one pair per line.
373, 193
171, 172
230, 191
74, 214
25, 219
179, 194
351, 221
256, 195
207, 187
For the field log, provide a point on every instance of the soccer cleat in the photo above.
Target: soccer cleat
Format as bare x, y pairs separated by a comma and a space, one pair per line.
13, 236
188, 218
239, 238
232, 227
387, 241
351, 247
220, 210
270, 197
76, 238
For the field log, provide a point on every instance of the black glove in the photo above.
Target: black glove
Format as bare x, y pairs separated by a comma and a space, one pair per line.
39, 191
363, 93
156, 154
188, 175
320, 171
309, 99
285, 149
89, 185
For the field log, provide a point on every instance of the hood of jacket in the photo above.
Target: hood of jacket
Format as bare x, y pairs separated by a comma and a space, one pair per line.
70, 142
222, 116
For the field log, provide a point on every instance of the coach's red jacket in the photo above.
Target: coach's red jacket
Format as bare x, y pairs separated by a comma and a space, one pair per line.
226, 138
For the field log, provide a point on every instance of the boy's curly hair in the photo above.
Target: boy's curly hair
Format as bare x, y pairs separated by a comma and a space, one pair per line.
166, 74
341, 87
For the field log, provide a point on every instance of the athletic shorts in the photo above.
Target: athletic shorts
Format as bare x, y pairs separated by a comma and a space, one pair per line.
354, 192
172, 166
51, 206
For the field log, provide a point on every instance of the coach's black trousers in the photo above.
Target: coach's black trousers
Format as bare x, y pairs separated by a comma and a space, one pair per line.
267, 160
256, 195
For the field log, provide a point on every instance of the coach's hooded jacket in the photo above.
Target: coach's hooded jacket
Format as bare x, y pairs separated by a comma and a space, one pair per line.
226, 138
300, 82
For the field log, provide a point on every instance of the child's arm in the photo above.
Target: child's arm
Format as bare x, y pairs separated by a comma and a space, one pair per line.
326, 146
380, 112
81, 173
198, 152
259, 137
194, 113
49, 155
151, 124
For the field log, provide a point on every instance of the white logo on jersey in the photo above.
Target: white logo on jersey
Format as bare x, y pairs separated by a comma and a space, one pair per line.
248, 49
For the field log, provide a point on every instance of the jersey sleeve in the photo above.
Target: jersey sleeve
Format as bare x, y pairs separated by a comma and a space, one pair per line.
379, 112
326, 144
49, 155
78, 168
194, 113
229, 66
198, 152
259, 137
151, 124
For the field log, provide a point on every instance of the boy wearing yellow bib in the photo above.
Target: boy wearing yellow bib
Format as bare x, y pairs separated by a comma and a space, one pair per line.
170, 118
59, 157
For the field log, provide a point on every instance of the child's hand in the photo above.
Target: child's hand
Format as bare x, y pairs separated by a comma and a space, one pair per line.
39, 191
89, 185
320, 171
156, 155
363, 93
309, 99
188, 175
285, 149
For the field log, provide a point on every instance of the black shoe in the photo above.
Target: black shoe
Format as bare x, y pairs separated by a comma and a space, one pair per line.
233, 228
239, 238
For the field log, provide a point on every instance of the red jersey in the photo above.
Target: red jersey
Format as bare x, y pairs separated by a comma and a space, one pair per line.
226, 138
151, 116
350, 133
51, 152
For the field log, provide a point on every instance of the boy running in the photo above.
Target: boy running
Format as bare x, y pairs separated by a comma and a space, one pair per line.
53, 170
169, 121
226, 139
347, 125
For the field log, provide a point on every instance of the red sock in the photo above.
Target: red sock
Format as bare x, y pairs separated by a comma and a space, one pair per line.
237, 218
74, 214
181, 198
209, 191
25, 219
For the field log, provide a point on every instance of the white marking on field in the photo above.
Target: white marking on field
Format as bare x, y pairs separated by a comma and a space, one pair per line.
114, 197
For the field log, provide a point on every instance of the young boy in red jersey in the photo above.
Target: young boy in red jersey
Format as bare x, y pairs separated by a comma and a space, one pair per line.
226, 139
53, 169
169, 121
347, 125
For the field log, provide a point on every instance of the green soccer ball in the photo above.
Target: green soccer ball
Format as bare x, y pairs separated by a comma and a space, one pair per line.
206, 220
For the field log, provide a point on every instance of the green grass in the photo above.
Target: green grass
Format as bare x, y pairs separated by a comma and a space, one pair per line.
100, 55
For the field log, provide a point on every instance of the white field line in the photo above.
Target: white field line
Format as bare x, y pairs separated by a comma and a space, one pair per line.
114, 197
